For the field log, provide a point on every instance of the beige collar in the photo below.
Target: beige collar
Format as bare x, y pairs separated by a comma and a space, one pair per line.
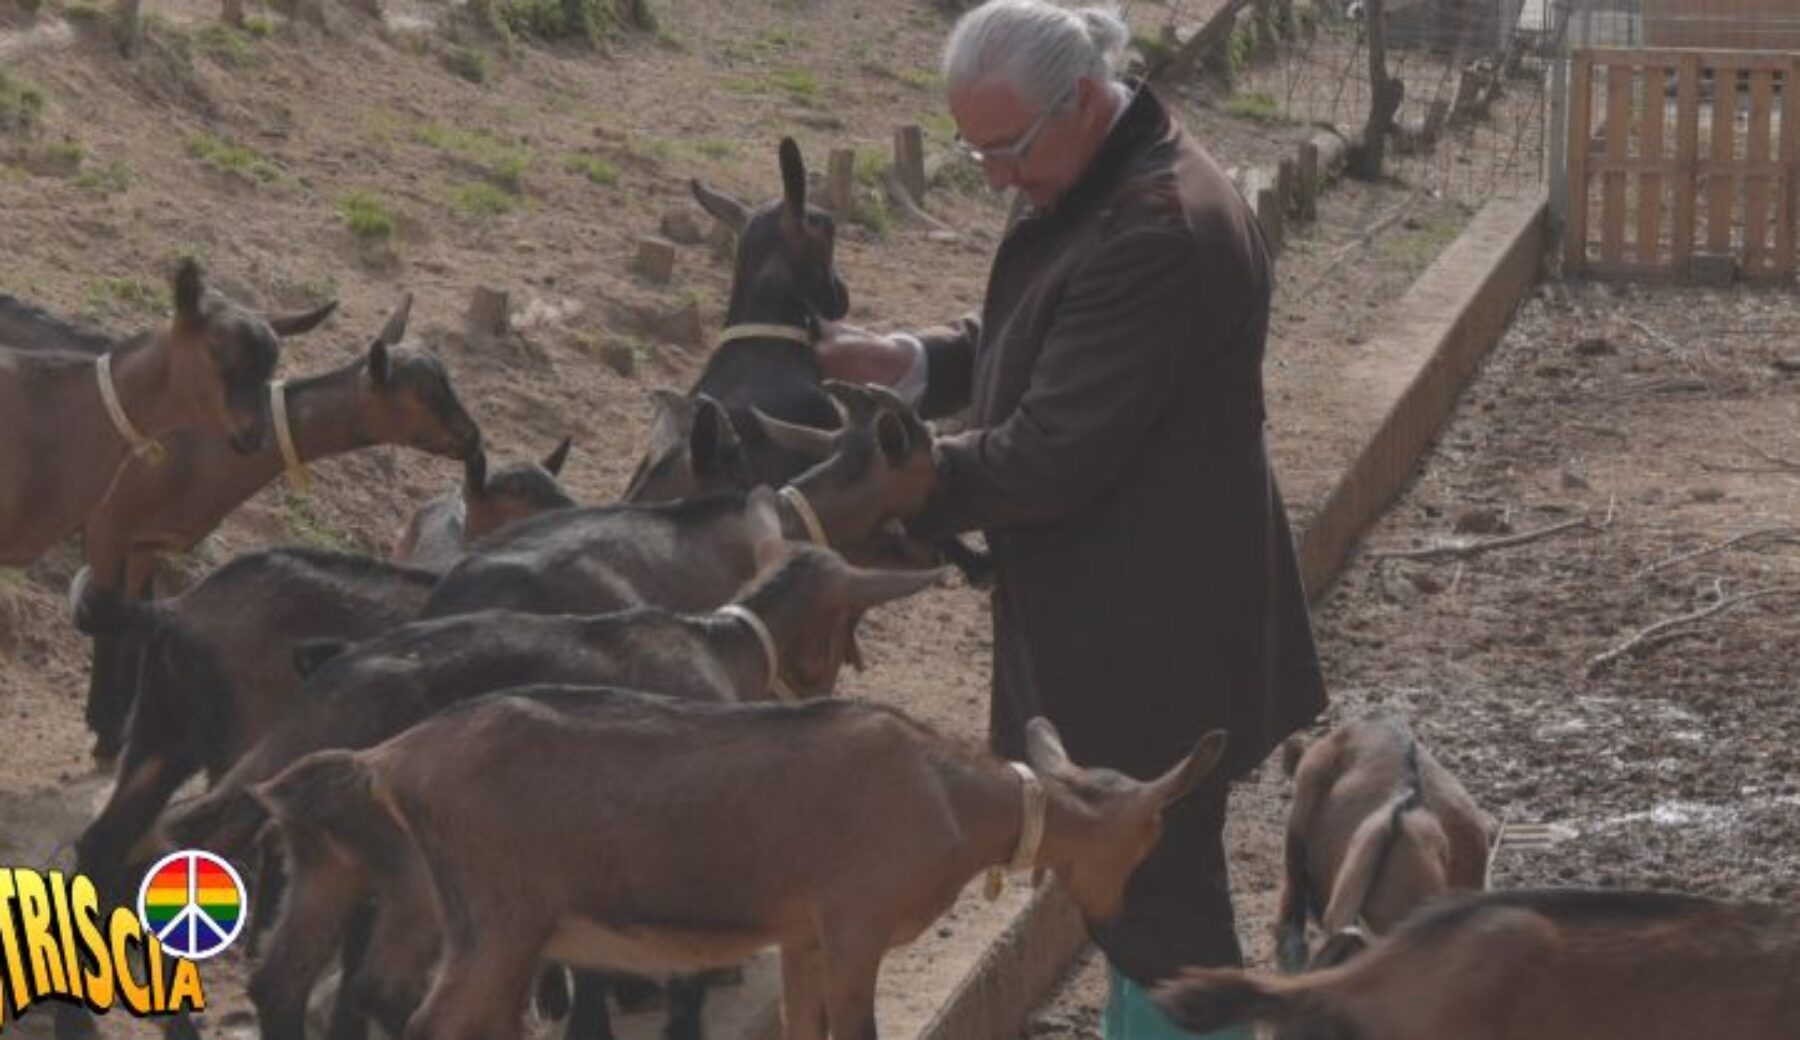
793, 333
1031, 831
777, 684
809, 518
299, 478
150, 452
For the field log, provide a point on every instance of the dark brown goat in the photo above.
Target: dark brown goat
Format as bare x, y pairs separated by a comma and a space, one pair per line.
671, 836
694, 450
442, 528
692, 555
206, 370
808, 602
1378, 828
1535, 965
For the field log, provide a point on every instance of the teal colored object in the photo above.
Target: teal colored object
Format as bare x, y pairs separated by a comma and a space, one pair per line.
1131, 1015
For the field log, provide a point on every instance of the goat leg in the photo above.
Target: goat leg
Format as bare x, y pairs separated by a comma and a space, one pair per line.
687, 1002
348, 1020
588, 1016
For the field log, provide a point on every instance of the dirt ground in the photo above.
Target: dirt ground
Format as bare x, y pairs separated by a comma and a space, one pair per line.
247, 150
1670, 419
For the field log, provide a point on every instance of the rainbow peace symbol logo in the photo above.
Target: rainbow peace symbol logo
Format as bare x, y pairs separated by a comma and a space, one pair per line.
193, 902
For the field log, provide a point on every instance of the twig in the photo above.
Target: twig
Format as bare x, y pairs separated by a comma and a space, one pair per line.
1463, 550
1661, 631
1359, 242
1764, 454
1747, 536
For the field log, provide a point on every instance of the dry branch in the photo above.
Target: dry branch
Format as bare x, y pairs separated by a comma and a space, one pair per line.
1729, 543
1666, 629
1204, 39
1462, 550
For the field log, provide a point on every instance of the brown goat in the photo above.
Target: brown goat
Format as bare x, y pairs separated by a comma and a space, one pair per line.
389, 396
672, 836
1535, 965
808, 601
205, 370
694, 449
1378, 827
442, 528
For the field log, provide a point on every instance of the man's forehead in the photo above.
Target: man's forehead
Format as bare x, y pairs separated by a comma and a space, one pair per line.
990, 108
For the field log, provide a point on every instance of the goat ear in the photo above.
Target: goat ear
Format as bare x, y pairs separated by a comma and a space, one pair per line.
311, 654
558, 455
723, 208
1044, 749
1206, 1000
381, 364
189, 288
793, 177
674, 418
895, 440
475, 476
1177, 782
285, 325
712, 440
806, 440
393, 333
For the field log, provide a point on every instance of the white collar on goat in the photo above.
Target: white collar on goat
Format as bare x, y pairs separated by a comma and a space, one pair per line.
795, 333
776, 683
809, 518
298, 476
1031, 831
148, 451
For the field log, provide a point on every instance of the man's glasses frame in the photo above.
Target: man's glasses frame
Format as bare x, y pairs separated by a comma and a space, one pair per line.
1017, 151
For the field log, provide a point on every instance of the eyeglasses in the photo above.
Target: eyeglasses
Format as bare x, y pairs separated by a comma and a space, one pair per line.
1017, 151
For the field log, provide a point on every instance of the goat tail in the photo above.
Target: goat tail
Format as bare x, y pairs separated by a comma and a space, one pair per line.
1361, 869
335, 792
1205, 1000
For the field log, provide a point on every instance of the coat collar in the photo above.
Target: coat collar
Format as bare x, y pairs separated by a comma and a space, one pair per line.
1144, 124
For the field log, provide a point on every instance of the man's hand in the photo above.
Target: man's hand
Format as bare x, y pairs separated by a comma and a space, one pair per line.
859, 356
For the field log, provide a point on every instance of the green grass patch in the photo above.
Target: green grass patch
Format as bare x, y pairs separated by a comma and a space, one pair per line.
1256, 106
234, 159
938, 124
366, 215
798, 82
65, 153
470, 63
482, 201
259, 26
715, 148
110, 179
594, 168
21, 104
923, 79
872, 213
306, 526
586, 21
124, 297
869, 167
229, 47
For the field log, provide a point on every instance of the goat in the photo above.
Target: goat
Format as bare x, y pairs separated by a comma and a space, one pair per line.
69, 419
391, 395
675, 836
24, 326
784, 283
1378, 827
1535, 965
441, 529
807, 603
692, 554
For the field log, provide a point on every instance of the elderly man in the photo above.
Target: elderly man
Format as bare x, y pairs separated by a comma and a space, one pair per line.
1147, 586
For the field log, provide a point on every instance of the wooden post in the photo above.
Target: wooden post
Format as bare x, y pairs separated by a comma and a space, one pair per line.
1721, 184
130, 27
1285, 188
1581, 110
1306, 179
1756, 181
1612, 184
655, 259
909, 159
1265, 196
1687, 164
1787, 188
488, 313
1650, 182
840, 181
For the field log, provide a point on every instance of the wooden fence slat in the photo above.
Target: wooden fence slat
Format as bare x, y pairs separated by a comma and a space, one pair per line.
1650, 150
1787, 184
1721, 187
1606, 56
1687, 159
1756, 185
1770, 167
1581, 102
1612, 185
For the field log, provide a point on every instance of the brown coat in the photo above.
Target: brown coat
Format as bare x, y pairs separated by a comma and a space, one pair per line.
1147, 586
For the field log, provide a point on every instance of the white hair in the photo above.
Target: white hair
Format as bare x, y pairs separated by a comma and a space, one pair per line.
1040, 49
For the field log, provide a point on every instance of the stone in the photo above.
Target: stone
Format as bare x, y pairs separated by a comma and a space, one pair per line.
680, 227
655, 259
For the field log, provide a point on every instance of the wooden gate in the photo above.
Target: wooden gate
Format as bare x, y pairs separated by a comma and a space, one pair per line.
1683, 155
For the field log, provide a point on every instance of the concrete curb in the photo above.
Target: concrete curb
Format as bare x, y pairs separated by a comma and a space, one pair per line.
1461, 305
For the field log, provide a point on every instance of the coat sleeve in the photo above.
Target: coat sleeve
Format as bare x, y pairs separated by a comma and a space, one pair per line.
1129, 326
950, 366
